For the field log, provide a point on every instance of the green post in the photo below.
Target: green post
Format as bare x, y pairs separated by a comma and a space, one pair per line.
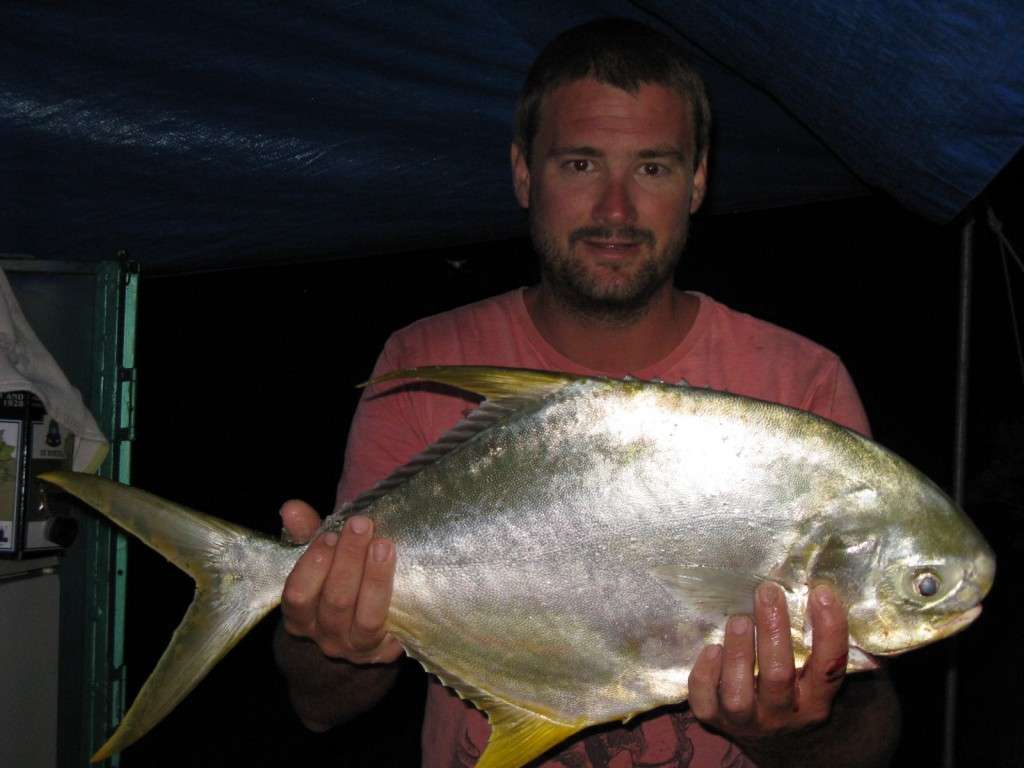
93, 574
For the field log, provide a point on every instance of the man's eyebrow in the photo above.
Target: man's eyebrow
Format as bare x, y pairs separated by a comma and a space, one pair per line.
653, 153
657, 153
575, 152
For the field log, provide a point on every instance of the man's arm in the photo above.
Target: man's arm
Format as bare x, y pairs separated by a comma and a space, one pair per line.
331, 644
785, 717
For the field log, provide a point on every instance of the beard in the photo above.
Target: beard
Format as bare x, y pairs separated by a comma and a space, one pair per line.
579, 287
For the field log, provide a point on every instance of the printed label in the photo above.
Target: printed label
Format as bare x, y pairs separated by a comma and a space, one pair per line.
10, 433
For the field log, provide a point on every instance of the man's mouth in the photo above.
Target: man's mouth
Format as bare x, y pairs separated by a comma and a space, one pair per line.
611, 240
614, 245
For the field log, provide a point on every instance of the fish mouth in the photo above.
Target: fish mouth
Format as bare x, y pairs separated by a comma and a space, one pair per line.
957, 623
943, 629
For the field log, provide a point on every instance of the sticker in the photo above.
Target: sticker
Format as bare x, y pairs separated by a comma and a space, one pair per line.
10, 432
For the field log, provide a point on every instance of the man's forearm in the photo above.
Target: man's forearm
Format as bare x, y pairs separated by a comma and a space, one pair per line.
326, 692
861, 732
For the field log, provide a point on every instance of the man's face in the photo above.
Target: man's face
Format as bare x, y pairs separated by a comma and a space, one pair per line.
610, 190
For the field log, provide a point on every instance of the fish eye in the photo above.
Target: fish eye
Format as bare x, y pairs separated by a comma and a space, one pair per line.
926, 584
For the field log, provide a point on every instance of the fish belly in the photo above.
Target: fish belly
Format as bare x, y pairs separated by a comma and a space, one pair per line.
528, 559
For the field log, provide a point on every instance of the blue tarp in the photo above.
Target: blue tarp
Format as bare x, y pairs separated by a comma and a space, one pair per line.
207, 135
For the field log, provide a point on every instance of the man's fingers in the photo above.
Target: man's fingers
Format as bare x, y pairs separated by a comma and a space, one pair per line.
703, 683
301, 595
341, 588
825, 668
776, 677
736, 690
374, 596
300, 520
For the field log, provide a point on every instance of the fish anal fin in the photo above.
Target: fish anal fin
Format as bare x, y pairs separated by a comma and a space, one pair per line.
519, 735
715, 589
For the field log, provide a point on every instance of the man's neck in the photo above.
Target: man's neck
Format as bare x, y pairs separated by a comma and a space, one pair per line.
614, 347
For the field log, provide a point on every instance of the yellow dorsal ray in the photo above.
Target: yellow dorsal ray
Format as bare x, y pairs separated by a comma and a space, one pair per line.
488, 381
238, 575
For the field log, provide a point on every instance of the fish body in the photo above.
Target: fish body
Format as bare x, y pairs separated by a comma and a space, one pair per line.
566, 552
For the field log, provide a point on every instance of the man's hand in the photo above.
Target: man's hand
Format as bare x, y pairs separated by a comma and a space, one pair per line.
340, 589
725, 694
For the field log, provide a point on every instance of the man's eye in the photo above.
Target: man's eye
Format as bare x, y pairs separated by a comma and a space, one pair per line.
653, 169
580, 165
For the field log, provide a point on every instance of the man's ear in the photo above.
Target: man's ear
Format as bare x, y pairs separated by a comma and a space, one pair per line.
520, 175
700, 182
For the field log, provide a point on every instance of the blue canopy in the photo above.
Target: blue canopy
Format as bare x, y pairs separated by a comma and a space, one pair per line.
208, 135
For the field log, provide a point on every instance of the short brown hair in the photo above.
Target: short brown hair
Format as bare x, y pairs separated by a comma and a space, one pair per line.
619, 52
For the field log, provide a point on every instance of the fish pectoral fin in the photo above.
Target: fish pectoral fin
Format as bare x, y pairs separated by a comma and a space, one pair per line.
488, 381
519, 735
715, 589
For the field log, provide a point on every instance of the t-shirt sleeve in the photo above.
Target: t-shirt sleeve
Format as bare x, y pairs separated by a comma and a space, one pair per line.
835, 397
384, 434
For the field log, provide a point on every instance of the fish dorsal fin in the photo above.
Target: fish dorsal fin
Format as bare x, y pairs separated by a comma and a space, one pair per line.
484, 417
507, 391
716, 589
490, 382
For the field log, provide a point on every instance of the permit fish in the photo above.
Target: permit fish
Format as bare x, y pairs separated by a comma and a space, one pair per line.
566, 551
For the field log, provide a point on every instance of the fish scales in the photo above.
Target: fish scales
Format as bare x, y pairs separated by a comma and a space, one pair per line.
553, 548
565, 553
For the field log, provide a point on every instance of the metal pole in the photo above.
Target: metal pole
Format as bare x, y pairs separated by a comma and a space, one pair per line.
963, 356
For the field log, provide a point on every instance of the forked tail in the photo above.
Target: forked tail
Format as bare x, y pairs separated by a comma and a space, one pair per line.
239, 576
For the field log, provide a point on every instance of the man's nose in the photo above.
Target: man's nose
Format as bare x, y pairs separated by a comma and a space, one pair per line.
615, 204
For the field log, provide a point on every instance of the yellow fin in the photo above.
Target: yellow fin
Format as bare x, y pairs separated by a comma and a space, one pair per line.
488, 381
238, 573
518, 736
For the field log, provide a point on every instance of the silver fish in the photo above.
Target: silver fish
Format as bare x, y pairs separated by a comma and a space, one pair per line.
566, 552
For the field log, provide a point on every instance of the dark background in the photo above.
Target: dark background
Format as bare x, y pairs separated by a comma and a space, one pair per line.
247, 381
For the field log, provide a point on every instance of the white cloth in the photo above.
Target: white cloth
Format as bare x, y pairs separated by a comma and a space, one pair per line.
26, 365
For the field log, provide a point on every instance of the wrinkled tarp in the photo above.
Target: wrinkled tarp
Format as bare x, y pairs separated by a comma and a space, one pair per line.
197, 135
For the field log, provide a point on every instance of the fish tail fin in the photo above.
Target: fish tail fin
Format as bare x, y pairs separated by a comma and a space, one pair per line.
239, 575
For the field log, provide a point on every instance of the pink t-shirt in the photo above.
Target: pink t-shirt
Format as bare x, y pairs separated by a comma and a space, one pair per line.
724, 350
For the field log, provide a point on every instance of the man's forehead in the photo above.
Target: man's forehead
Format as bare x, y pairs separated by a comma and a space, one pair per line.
589, 107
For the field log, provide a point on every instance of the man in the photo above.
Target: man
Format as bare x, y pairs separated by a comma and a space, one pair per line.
610, 160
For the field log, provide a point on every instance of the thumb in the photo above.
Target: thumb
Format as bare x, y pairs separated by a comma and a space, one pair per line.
301, 522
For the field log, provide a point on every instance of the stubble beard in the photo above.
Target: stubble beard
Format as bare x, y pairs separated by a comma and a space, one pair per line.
582, 292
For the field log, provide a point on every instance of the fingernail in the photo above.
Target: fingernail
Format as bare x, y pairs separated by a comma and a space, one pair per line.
713, 652
330, 538
768, 594
359, 525
739, 625
824, 597
380, 551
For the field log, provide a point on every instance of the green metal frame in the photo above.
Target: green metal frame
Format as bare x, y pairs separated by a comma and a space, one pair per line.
94, 572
